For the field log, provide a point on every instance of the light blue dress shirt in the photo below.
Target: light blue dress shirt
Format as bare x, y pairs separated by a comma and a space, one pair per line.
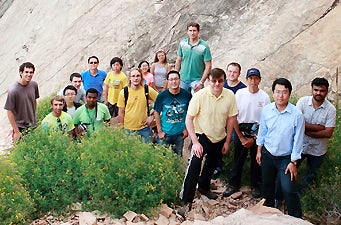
281, 132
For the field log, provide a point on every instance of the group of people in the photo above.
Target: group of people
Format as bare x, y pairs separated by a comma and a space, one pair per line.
278, 135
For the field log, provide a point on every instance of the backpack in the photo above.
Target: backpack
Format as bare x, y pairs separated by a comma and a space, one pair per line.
126, 94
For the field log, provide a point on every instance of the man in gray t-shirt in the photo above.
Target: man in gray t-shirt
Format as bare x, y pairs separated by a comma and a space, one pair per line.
21, 101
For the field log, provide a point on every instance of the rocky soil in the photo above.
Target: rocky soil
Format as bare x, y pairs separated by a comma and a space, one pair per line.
202, 209
239, 208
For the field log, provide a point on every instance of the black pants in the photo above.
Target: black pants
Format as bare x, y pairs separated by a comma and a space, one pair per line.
240, 155
193, 177
113, 110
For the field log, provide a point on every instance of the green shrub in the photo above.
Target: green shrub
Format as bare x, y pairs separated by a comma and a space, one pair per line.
16, 206
121, 173
44, 107
49, 167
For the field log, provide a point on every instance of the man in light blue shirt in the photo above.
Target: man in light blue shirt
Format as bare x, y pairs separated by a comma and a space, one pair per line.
280, 142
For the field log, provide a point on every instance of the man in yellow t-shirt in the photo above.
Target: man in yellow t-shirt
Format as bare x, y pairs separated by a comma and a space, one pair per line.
209, 121
134, 113
58, 120
114, 83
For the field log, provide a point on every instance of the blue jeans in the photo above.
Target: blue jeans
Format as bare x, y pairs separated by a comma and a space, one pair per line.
274, 167
193, 176
188, 85
175, 141
145, 133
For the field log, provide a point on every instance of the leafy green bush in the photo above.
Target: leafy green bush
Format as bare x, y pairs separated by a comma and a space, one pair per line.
109, 171
49, 167
44, 107
121, 173
16, 206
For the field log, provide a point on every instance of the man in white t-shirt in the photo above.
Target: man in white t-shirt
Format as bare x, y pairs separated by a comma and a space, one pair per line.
250, 102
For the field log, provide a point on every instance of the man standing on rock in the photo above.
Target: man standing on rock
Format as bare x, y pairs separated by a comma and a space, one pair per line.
280, 142
250, 102
210, 118
194, 60
93, 77
320, 117
234, 84
21, 101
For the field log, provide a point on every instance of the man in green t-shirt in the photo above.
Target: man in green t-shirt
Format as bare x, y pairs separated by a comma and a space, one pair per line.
194, 59
92, 115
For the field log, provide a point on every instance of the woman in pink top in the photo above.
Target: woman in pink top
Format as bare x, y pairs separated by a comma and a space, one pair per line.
148, 77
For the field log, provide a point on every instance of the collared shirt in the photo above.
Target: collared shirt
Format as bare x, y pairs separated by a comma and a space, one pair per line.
210, 112
281, 133
193, 59
324, 115
90, 81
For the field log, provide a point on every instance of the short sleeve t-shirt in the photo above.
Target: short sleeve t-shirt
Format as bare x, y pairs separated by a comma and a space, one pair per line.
136, 109
63, 123
93, 119
116, 84
172, 110
21, 101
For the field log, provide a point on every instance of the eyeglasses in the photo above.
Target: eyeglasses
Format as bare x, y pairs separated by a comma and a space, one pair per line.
215, 81
93, 62
173, 79
70, 95
282, 93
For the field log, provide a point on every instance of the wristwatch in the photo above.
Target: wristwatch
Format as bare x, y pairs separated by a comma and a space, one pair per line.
294, 162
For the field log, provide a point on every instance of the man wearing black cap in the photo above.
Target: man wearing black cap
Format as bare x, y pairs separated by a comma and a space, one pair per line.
250, 102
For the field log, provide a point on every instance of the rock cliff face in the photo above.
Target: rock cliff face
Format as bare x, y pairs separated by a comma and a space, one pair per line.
294, 39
